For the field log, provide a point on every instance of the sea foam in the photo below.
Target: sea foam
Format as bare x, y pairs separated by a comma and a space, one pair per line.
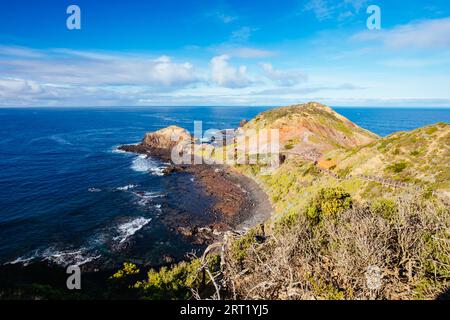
76, 257
129, 228
144, 164
127, 187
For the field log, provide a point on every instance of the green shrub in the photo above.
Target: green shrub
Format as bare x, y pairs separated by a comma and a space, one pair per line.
384, 208
171, 283
344, 172
434, 250
328, 203
287, 221
397, 167
240, 246
431, 130
289, 146
325, 290
128, 269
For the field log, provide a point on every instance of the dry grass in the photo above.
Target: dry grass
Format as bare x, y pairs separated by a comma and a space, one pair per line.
359, 254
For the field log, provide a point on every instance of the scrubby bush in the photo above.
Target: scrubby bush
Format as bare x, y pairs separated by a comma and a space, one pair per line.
397, 167
173, 283
128, 269
384, 208
238, 248
287, 221
178, 281
356, 254
328, 202
120, 284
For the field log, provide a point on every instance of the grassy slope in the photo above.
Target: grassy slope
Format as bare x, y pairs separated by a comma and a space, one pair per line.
330, 260
418, 157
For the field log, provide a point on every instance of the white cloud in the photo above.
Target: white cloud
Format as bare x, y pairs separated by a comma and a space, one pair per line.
242, 34
225, 75
308, 90
85, 68
62, 77
281, 77
19, 52
12, 86
427, 34
66, 77
22, 92
356, 4
320, 8
326, 9
169, 73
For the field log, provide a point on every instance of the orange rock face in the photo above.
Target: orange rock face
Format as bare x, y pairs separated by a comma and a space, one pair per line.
166, 138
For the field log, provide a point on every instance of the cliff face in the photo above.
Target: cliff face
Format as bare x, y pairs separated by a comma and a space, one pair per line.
311, 128
166, 138
160, 143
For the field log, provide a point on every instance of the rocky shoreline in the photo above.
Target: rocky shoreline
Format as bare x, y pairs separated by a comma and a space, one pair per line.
239, 203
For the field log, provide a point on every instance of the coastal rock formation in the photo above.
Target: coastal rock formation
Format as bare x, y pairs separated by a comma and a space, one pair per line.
166, 138
160, 143
310, 129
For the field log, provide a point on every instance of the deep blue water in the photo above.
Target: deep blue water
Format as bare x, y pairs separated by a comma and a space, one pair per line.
67, 196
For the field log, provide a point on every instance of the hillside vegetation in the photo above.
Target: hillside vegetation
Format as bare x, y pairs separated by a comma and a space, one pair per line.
356, 216
419, 157
364, 203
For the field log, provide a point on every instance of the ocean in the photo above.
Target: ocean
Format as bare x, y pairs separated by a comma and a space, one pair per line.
67, 196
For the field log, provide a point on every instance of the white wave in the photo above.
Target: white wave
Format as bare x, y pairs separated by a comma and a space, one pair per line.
127, 187
22, 260
128, 229
116, 149
144, 164
147, 197
76, 257
94, 190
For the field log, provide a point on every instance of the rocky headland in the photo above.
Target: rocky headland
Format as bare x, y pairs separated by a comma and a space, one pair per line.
239, 202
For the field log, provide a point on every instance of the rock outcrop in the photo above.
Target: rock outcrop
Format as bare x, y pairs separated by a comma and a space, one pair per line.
166, 138
160, 143
307, 130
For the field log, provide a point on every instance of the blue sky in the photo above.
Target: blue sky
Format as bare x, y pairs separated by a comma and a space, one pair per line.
133, 53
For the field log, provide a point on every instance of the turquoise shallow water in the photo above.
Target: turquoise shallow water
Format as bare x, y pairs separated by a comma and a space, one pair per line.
68, 196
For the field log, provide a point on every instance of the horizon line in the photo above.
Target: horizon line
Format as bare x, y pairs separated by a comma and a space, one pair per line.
223, 106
